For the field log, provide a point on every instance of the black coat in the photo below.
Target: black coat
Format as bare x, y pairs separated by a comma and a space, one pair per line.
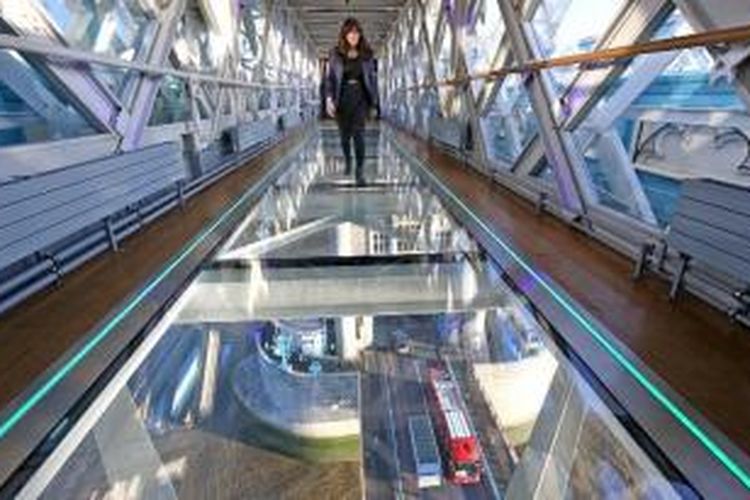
336, 73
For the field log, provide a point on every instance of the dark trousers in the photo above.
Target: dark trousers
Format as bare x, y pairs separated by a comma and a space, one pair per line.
351, 121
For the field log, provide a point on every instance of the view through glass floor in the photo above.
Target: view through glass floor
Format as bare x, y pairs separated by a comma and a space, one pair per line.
347, 341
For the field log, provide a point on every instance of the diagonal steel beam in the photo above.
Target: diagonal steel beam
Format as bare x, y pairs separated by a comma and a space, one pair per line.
147, 86
77, 82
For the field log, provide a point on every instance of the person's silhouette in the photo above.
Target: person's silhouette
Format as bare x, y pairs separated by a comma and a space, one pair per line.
351, 89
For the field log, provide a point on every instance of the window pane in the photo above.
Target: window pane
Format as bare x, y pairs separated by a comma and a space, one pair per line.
444, 63
117, 28
31, 107
432, 14
420, 60
484, 31
197, 47
565, 27
510, 123
172, 103
544, 172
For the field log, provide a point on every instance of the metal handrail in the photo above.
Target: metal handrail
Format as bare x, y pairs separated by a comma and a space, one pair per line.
51, 51
598, 58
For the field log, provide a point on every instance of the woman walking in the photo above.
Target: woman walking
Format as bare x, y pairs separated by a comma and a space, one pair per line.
351, 90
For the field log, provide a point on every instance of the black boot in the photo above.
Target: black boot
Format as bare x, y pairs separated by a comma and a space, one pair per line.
360, 175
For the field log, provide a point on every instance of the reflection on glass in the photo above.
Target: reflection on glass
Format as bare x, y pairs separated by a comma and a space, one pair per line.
31, 107
484, 31
429, 107
252, 30
444, 63
172, 102
117, 28
419, 60
510, 123
274, 57
564, 27
432, 15
197, 47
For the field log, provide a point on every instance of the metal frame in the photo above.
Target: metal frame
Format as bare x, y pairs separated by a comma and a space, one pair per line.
72, 70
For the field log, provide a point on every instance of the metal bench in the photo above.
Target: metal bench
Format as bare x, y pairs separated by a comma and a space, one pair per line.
253, 135
711, 226
39, 213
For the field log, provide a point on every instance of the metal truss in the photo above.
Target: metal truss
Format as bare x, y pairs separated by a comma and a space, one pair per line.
578, 112
32, 34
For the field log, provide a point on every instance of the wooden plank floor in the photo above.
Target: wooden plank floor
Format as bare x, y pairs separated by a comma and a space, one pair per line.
41, 329
689, 344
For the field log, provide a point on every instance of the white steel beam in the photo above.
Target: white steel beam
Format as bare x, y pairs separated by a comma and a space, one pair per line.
147, 86
28, 19
559, 149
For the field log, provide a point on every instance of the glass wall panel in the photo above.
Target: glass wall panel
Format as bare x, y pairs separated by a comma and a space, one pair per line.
563, 27
251, 37
196, 47
432, 15
416, 24
484, 31
444, 63
510, 123
420, 60
172, 103
273, 54
32, 108
118, 28
681, 122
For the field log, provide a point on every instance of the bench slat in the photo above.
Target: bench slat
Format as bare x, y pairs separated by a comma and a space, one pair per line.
42, 210
716, 216
93, 186
28, 240
43, 183
730, 265
711, 225
254, 133
732, 198
710, 235
86, 210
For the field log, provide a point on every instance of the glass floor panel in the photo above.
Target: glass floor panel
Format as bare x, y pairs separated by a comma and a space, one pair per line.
331, 317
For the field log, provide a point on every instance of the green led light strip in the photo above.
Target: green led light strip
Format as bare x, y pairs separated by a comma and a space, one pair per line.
74, 361
737, 471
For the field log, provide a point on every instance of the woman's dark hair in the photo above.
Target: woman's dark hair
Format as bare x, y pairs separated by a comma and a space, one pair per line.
351, 24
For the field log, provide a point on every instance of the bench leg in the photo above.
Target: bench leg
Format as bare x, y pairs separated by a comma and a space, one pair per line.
181, 194
113, 243
743, 299
646, 250
55, 266
541, 203
677, 281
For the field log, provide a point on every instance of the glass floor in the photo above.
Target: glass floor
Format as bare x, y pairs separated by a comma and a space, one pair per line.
291, 366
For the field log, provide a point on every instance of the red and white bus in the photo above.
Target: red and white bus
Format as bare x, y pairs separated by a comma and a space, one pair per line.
459, 445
